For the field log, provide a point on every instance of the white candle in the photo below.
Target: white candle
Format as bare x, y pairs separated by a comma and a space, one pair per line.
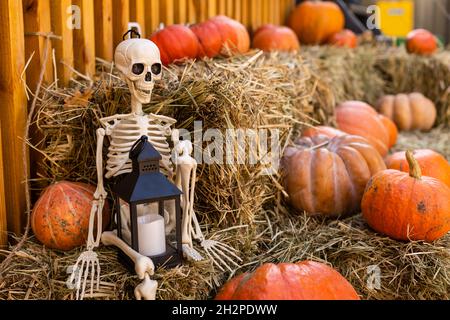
152, 235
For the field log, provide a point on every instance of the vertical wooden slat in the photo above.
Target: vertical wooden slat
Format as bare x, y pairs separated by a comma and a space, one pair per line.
3, 220
229, 8
285, 10
37, 19
265, 11
237, 10
152, 16
202, 10
221, 7
191, 13
13, 104
137, 14
84, 39
255, 13
167, 12
212, 8
276, 12
245, 13
181, 11
63, 47
121, 18
104, 29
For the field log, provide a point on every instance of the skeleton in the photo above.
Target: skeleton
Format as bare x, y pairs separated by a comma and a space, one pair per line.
139, 62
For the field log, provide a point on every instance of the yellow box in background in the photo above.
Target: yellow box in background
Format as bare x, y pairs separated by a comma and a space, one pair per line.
397, 17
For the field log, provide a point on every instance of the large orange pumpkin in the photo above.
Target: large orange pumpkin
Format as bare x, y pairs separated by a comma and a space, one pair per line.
359, 118
328, 176
345, 38
431, 163
315, 22
275, 38
421, 41
306, 280
209, 38
234, 35
60, 218
176, 43
330, 132
409, 111
407, 206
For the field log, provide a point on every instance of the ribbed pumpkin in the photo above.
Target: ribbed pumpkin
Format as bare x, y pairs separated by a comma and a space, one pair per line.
275, 38
60, 218
391, 128
359, 118
306, 280
315, 22
209, 38
421, 41
176, 43
407, 206
344, 38
234, 35
432, 164
330, 132
409, 111
327, 177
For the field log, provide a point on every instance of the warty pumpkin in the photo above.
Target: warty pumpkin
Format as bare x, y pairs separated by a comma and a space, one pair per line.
344, 38
421, 41
359, 118
306, 280
315, 22
327, 177
409, 111
275, 38
176, 43
407, 206
432, 164
60, 217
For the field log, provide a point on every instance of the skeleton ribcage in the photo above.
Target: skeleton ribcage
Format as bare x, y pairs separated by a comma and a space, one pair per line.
124, 134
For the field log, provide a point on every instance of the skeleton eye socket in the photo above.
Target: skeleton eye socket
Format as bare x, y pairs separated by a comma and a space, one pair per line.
156, 68
138, 68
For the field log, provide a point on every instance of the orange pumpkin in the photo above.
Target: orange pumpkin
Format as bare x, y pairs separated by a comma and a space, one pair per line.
330, 132
359, 118
391, 128
176, 43
409, 111
234, 35
60, 218
432, 164
209, 38
315, 22
421, 41
407, 206
344, 38
327, 177
306, 280
275, 38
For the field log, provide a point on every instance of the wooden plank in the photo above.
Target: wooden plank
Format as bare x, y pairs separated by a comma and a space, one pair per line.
84, 39
181, 11
167, 12
191, 13
37, 20
276, 12
255, 14
137, 14
237, 10
212, 8
201, 8
63, 47
229, 9
104, 29
245, 13
221, 7
265, 11
3, 220
152, 15
13, 103
121, 18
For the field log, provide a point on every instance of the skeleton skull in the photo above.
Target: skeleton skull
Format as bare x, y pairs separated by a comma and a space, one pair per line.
140, 63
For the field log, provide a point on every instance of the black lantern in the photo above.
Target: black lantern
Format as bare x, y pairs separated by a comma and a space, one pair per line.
141, 197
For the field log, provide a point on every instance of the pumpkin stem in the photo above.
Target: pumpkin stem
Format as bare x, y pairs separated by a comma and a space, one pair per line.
414, 167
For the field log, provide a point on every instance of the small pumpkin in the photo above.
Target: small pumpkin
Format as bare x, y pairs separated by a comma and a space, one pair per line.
60, 217
209, 38
345, 38
315, 22
275, 38
359, 118
432, 164
235, 37
176, 43
409, 111
306, 280
330, 132
421, 41
324, 176
407, 206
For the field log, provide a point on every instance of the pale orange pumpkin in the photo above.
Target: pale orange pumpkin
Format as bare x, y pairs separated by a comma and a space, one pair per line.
421, 41
409, 111
315, 22
275, 38
330, 132
391, 128
344, 38
407, 206
326, 176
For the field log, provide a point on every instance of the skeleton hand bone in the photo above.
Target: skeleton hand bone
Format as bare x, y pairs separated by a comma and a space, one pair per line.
146, 289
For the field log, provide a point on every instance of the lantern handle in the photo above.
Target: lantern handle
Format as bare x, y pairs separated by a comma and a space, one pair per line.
137, 147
